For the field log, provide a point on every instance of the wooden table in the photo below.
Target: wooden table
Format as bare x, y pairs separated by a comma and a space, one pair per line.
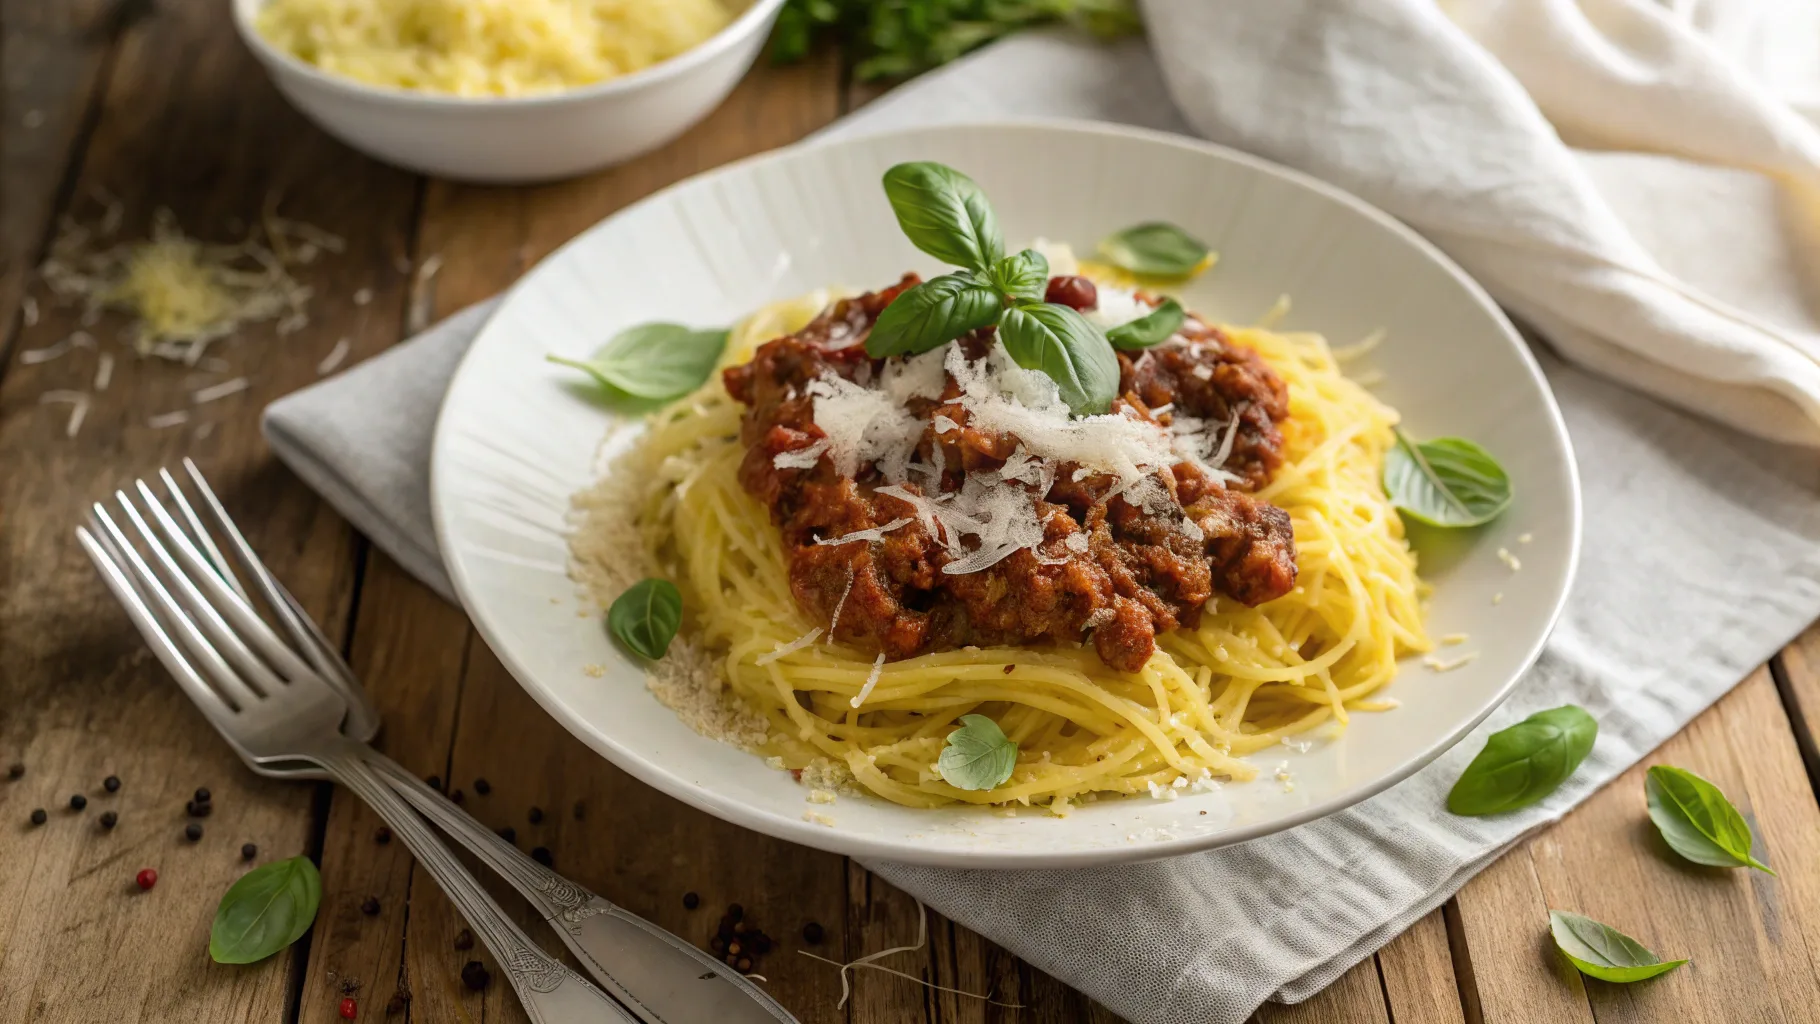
159, 105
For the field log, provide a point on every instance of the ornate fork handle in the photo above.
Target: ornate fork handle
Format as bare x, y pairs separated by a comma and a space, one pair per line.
550, 992
677, 982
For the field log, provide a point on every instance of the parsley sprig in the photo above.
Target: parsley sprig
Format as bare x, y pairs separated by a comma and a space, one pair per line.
896, 38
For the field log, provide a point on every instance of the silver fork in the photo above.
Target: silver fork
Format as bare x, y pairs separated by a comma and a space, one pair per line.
668, 980
273, 707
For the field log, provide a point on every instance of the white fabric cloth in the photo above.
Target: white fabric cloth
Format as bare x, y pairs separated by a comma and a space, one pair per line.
1702, 547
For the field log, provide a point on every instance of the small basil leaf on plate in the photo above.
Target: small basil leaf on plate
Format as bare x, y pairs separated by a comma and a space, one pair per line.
1603, 952
978, 755
269, 908
1524, 763
1446, 482
645, 618
1153, 328
1063, 344
1697, 821
656, 361
1023, 276
1155, 249
945, 214
933, 313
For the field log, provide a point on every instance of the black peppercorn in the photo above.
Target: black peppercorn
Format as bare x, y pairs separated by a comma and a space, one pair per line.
192, 831
196, 809
483, 787
395, 1005
509, 834
78, 802
458, 796
248, 851
202, 794
536, 816
691, 900
812, 933
382, 835
581, 810
370, 906
474, 975
39, 817
109, 819
739, 927
717, 944
15, 770
541, 854
464, 939
734, 948
735, 911
434, 781
111, 783
744, 965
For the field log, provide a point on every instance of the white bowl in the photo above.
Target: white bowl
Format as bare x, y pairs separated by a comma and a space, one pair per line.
517, 436
523, 138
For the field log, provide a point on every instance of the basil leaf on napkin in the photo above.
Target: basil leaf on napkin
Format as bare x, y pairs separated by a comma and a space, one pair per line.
1524, 763
269, 908
933, 313
1446, 482
646, 617
1063, 344
1155, 249
1697, 821
1024, 276
1153, 328
655, 361
1603, 952
945, 214
978, 755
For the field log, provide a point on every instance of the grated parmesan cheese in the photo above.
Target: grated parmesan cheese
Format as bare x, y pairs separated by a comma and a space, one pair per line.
1509, 559
1117, 307
222, 390
878, 668
78, 403
1437, 664
331, 362
785, 650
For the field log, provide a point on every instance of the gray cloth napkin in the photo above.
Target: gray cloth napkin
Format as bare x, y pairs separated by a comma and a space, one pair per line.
1701, 557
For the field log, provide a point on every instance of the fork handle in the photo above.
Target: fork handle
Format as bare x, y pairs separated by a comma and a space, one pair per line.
550, 992
672, 980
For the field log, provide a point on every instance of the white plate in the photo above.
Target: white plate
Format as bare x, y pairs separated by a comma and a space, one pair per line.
516, 438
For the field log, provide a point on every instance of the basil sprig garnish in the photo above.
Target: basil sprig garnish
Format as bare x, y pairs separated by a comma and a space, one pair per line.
1601, 951
934, 313
269, 908
1063, 344
1697, 821
978, 755
654, 361
1524, 763
947, 216
1446, 482
646, 617
1153, 328
1155, 250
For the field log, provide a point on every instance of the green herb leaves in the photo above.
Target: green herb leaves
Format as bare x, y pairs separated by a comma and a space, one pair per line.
1155, 249
1061, 343
1446, 482
269, 908
653, 361
933, 313
1153, 328
1524, 763
1024, 277
646, 617
1697, 821
1603, 952
945, 214
978, 755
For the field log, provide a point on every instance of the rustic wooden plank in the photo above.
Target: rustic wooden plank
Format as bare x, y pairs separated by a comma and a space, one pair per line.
205, 136
1752, 938
1356, 997
1418, 973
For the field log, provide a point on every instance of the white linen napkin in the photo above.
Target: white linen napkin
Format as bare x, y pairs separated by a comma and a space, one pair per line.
1702, 546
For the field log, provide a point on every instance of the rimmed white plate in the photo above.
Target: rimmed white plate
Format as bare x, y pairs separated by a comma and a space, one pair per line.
517, 438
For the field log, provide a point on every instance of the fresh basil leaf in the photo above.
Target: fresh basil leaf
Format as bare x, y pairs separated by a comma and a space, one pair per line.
933, 313
1155, 249
1024, 276
1603, 952
945, 214
658, 361
1153, 328
1524, 763
1446, 482
978, 755
1063, 344
1697, 821
269, 908
646, 617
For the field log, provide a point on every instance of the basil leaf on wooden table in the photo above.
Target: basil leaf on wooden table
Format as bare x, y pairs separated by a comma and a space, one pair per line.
945, 214
1022, 276
1063, 344
1446, 482
646, 617
1603, 952
1153, 328
1156, 250
1524, 763
1697, 821
933, 313
269, 908
657, 361
978, 755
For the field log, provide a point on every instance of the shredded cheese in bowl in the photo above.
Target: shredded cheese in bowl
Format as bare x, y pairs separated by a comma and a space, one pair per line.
488, 48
